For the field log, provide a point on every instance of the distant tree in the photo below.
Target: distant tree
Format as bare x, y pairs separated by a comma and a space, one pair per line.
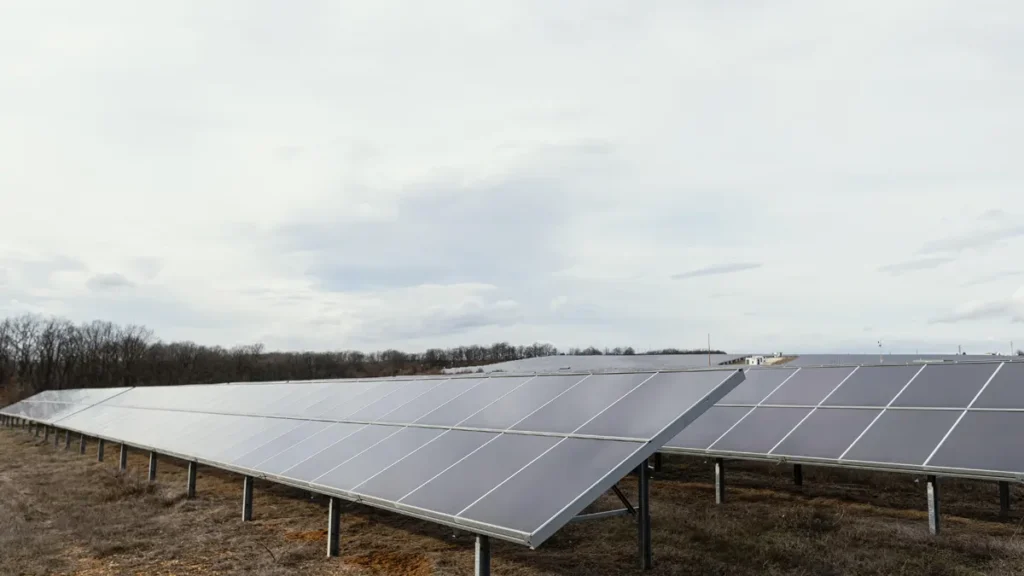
38, 353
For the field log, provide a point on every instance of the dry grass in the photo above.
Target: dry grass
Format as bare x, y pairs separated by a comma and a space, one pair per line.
61, 513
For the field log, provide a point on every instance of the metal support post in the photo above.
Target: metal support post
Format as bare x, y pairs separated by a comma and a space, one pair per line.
81, 445
333, 525
56, 438
657, 462
643, 518
798, 474
99, 450
46, 434
152, 466
190, 487
247, 499
483, 554
1004, 499
933, 505
67, 439
122, 463
719, 481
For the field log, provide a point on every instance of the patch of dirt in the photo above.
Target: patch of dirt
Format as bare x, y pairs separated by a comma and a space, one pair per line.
307, 536
393, 563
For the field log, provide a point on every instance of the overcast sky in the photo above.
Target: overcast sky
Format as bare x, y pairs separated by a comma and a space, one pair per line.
796, 176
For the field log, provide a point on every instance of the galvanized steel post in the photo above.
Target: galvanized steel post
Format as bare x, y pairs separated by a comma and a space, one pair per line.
190, 486
81, 445
56, 438
122, 462
152, 466
247, 499
719, 481
99, 450
798, 474
333, 525
67, 439
46, 434
482, 566
643, 517
933, 505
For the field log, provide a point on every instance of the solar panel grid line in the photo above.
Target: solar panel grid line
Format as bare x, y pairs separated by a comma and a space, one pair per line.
889, 409
808, 415
557, 396
413, 399
471, 429
557, 443
433, 440
479, 447
667, 432
879, 415
552, 524
364, 399
354, 456
493, 402
317, 452
744, 417
397, 462
964, 413
506, 480
502, 483
481, 382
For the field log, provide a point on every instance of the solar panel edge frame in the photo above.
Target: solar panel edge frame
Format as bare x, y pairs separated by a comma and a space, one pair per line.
645, 451
962, 473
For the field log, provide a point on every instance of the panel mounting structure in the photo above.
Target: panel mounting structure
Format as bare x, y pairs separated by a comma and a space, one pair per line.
515, 458
945, 419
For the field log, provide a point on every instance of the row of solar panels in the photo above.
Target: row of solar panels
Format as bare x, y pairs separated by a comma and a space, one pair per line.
514, 458
954, 419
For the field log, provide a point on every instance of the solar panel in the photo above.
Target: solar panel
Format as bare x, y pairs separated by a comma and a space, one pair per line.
52, 405
958, 419
511, 457
808, 387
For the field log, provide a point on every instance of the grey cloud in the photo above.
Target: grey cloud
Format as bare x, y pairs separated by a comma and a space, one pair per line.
111, 281
993, 277
39, 272
976, 239
148, 268
993, 214
976, 312
717, 270
916, 265
445, 322
489, 234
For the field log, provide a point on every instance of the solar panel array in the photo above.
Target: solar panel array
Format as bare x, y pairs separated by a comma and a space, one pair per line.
953, 419
50, 406
809, 360
604, 363
515, 458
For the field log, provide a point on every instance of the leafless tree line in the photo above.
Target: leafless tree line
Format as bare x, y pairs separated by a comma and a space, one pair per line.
44, 353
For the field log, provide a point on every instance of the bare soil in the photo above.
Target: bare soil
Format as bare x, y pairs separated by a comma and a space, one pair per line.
64, 513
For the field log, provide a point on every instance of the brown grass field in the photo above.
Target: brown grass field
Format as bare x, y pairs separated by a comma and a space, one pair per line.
63, 513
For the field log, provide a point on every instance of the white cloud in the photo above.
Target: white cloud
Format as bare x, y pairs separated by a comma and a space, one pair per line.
409, 175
